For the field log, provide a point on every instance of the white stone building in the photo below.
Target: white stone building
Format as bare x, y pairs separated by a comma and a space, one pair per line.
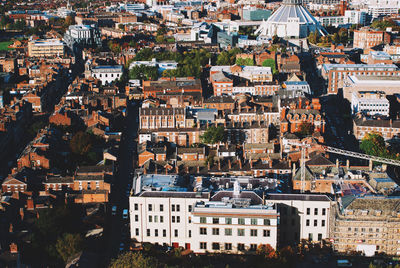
370, 102
297, 86
228, 221
302, 216
107, 73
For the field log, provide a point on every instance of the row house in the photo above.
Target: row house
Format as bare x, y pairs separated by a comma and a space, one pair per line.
172, 85
58, 183
34, 158
184, 137
387, 128
247, 132
91, 183
295, 118
191, 154
248, 115
154, 118
145, 153
219, 103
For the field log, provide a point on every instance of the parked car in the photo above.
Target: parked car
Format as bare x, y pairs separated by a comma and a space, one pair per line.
114, 210
125, 214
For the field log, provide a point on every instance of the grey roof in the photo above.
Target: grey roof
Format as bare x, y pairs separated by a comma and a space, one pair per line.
174, 194
302, 197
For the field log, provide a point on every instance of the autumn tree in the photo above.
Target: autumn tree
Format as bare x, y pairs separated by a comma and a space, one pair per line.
81, 143
68, 245
267, 251
133, 260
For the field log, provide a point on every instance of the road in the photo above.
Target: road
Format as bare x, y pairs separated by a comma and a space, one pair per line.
123, 170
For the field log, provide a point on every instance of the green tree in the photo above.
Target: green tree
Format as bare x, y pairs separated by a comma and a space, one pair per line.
160, 39
144, 54
68, 245
270, 63
133, 260
213, 135
81, 143
374, 144
246, 62
228, 57
143, 72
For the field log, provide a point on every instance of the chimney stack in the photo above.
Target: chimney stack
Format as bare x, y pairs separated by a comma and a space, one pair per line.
219, 164
229, 164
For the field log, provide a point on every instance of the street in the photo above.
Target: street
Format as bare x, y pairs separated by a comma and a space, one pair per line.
123, 170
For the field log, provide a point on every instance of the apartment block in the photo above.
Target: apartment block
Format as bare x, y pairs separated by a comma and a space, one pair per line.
368, 38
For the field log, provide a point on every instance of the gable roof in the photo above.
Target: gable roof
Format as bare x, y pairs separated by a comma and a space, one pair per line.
319, 160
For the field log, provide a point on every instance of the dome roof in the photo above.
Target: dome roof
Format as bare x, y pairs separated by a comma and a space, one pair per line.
287, 12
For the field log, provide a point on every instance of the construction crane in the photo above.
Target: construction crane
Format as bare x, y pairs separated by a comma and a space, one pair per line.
330, 149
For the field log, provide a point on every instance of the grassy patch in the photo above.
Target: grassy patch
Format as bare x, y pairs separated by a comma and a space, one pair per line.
4, 45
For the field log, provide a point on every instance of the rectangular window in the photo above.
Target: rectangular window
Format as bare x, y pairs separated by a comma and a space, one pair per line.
203, 220
172, 207
137, 231
215, 231
150, 218
253, 247
136, 206
228, 231
161, 207
240, 232
150, 207
315, 223
178, 219
240, 246
148, 232
203, 245
253, 221
136, 217
308, 211
161, 219
253, 232
324, 211
178, 208
176, 233
267, 222
323, 223
215, 246
315, 211
228, 246
190, 208
156, 232
241, 221
267, 233
164, 233
319, 237
190, 233
307, 222
228, 220
155, 218
173, 219
215, 220
203, 231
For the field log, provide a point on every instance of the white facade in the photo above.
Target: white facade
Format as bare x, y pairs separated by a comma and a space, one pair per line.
302, 216
107, 74
370, 102
219, 227
378, 8
297, 86
228, 221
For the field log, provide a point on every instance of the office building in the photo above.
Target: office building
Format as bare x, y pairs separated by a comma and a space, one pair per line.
45, 48
370, 102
